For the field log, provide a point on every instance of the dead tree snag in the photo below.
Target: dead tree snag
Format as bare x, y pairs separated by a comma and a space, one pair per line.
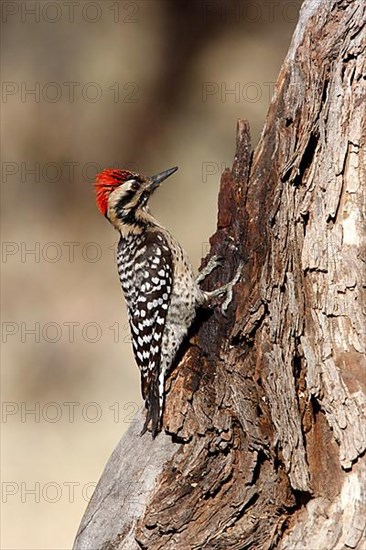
265, 417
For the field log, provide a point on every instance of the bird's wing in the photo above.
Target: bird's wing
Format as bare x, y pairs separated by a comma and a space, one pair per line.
147, 316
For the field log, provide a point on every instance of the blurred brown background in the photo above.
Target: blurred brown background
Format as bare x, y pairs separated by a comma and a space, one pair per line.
86, 85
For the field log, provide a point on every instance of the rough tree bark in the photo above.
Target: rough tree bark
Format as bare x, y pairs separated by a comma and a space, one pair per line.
265, 420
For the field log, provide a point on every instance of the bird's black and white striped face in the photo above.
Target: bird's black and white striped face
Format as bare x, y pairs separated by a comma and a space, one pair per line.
128, 197
122, 196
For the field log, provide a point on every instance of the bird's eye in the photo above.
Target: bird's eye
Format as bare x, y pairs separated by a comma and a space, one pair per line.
135, 186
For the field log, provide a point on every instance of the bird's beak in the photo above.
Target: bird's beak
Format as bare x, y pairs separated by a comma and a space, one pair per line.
155, 181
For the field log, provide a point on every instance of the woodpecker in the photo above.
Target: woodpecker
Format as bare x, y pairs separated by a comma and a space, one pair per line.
160, 289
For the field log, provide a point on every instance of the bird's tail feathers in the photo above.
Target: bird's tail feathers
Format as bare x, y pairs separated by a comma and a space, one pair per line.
154, 409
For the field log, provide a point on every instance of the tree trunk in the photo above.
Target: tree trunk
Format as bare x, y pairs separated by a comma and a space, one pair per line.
264, 425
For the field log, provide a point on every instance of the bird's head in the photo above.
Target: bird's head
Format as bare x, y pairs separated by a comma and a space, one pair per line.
122, 195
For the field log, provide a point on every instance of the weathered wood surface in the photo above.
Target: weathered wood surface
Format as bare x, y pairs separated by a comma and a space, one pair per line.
265, 414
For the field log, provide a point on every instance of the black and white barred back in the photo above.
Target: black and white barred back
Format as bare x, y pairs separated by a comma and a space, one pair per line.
162, 297
146, 273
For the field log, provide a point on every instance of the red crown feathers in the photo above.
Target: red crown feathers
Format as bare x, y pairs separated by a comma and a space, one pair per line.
106, 182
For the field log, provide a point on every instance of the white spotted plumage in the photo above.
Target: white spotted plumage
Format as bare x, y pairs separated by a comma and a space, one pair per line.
162, 298
145, 284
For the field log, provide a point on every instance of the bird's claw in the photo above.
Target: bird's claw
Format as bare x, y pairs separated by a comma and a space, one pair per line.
229, 290
213, 263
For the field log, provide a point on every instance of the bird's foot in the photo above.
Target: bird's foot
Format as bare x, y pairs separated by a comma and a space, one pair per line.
226, 289
229, 290
213, 263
